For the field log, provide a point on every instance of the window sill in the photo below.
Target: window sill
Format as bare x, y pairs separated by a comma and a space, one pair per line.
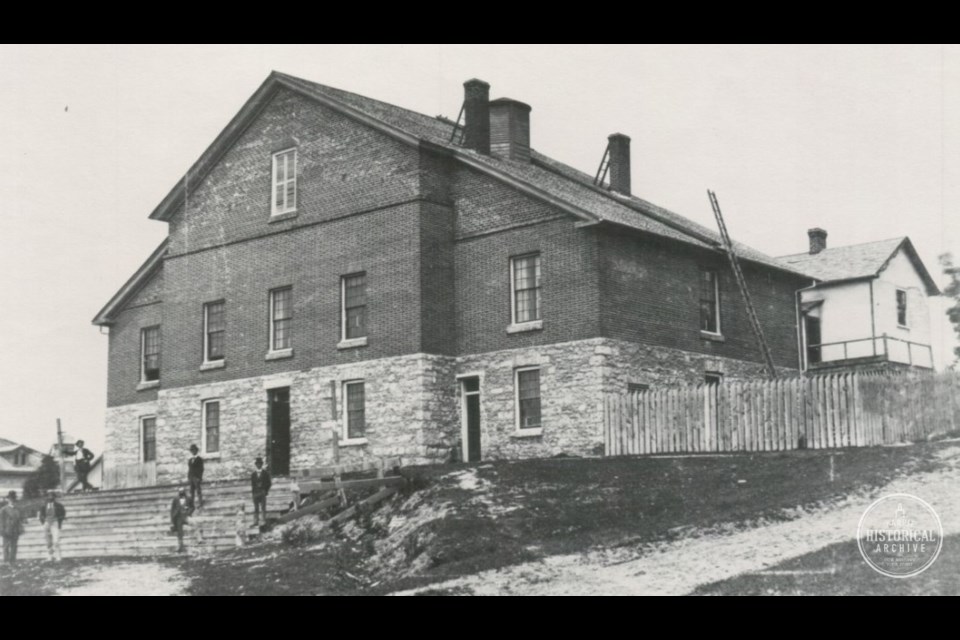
209, 456
352, 343
280, 217
151, 384
713, 337
534, 325
356, 442
279, 355
528, 433
214, 364
903, 326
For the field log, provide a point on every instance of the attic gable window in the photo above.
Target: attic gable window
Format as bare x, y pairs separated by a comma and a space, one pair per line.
901, 308
284, 198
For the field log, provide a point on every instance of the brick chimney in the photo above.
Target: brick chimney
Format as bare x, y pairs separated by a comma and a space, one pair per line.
818, 240
619, 163
510, 129
476, 115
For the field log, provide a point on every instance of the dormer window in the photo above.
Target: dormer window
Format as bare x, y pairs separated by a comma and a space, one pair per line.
284, 199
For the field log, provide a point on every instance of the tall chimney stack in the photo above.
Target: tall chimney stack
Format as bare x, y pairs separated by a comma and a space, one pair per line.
619, 146
476, 112
818, 240
510, 129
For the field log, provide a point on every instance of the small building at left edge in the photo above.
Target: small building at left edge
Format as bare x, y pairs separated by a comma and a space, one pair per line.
17, 462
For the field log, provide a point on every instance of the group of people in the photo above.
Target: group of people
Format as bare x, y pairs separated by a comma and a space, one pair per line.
51, 516
184, 505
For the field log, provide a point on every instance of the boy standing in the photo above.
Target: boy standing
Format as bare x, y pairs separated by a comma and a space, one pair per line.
11, 526
195, 476
51, 516
260, 485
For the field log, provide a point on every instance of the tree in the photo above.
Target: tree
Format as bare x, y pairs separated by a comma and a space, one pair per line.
952, 293
47, 476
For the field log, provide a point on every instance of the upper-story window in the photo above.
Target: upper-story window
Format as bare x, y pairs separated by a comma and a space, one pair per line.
214, 331
354, 314
284, 199
709, 301
281, 319
901, 307
150, 354
525, 288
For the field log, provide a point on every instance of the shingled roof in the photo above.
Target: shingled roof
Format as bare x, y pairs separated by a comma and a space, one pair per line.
857, 261
552, 181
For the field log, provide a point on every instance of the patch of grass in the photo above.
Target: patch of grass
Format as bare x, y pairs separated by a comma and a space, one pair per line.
839, 570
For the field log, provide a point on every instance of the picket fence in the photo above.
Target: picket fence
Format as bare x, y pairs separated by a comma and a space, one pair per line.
817, 412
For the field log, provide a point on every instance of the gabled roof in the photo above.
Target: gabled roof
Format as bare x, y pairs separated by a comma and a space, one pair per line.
551, 181
858, 261
136, 282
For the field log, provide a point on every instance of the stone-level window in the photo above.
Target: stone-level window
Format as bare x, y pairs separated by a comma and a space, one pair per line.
901, 307
527, 386
354, 418
353, 293
148, 439
214, 330
281, 319
284, 199
150, 354
211, 427
709, 301
525, 288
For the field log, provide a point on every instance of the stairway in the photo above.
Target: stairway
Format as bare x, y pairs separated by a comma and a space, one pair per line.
136, 522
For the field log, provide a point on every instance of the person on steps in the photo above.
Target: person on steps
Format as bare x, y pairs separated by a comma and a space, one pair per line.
51, 515
81, 464
180, 510
195, 476
11, 526
260, 485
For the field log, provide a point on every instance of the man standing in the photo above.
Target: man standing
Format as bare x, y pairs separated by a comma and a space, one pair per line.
11, 526
81, 464
51, 516
195, 476
260, 484
180, 509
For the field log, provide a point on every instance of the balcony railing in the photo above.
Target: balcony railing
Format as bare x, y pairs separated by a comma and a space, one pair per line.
883, 348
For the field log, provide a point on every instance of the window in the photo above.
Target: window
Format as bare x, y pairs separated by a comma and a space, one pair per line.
709, 301
525, 286
901, 307
150, 354
354, 296
214, 330
354, 421
284, 182
281, 319
211, 427
712, 377
528, 398
20, 458
148, 439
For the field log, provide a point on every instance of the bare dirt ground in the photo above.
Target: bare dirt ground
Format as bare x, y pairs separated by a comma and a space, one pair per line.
139, 579
679, 567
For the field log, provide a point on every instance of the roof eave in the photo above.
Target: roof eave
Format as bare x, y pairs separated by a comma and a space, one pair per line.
131, 286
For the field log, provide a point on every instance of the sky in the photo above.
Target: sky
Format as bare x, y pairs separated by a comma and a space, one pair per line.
862, 140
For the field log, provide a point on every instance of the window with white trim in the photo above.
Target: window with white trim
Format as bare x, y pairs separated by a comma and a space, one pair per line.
281, 319
211, 427
525, 288
354, 418
353, 293
901, 307
150, 354
214, 330
148, 439
709, 301
284, 198
527, 386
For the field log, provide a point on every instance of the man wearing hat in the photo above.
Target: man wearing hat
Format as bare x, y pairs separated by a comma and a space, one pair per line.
51, 517
180, 509
195, 476
11, 526
260, 484
81, 464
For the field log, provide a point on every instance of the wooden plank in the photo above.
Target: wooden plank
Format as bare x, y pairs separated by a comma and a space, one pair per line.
323, 485
367, 465
310, 509
348, 513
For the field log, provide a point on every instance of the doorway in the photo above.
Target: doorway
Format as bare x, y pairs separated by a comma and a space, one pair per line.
278, 431
470, 418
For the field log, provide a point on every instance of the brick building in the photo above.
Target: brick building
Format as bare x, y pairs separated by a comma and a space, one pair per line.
338, 264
